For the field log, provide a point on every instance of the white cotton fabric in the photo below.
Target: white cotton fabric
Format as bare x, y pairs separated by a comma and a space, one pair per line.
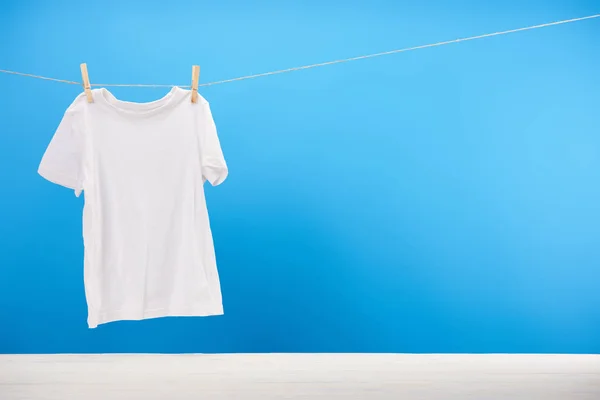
148, 245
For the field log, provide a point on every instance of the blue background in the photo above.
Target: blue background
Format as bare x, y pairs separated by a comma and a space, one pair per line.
442, 200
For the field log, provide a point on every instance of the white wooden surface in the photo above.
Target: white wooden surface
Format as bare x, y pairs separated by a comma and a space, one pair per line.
300, 376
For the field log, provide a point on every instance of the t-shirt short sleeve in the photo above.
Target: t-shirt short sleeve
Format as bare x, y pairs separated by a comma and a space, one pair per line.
214, 167
62, 162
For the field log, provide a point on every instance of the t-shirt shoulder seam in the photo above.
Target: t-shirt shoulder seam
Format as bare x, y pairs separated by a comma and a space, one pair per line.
77, 104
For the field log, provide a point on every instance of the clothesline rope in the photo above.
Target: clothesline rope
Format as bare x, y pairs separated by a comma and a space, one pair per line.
282, 71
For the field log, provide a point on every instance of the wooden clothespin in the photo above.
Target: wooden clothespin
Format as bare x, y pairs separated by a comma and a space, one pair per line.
86, 83
195, 80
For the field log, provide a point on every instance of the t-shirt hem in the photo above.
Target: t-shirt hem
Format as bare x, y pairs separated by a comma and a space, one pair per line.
130, 315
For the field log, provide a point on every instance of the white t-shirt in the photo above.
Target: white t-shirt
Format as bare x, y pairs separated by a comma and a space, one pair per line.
148, 245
